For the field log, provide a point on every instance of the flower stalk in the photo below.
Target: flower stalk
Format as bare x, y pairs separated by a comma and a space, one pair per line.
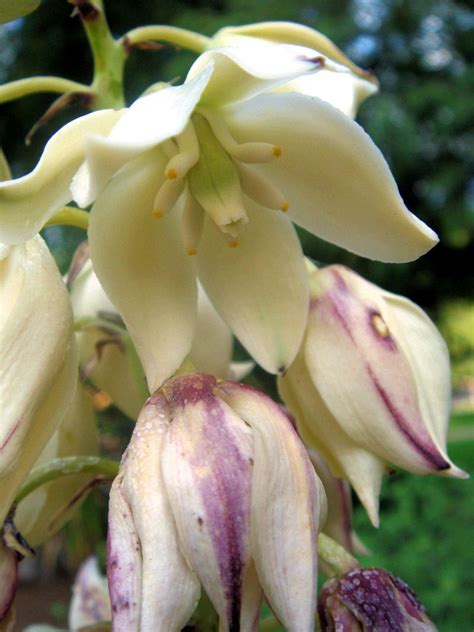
70, 216
64, 467
174, 35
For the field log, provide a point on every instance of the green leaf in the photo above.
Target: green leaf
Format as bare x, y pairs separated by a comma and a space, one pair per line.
13, 9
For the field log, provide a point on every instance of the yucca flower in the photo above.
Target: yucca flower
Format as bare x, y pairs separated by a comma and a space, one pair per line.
218, 167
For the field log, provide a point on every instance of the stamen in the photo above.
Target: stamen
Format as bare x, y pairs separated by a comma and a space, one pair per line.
167, 197
233, 243
261, 190
245, 152
192, 221
187, 156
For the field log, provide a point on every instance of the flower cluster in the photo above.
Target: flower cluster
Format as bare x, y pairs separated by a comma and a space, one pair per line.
194, 192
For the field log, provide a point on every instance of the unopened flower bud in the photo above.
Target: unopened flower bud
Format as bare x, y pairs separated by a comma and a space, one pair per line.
365, 600
214, 489
371, 384
90, 602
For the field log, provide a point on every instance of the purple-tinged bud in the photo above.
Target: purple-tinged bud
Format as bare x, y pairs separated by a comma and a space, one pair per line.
371, 600
90, 602
371, 384
214, 489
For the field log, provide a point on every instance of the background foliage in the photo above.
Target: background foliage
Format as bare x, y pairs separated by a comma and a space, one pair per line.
422, 120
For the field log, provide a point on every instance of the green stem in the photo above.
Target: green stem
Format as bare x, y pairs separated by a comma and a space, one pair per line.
335, 556
66, 466
24, 87
70, 216
169, 34
136, 367
109, 56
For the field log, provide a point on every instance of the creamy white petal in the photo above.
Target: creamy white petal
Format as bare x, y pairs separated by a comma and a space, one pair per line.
149, 121
260, 288
207, 469
212, 345
240, 72
49, 507
168, 590
289, 33
343, 91
28, 202
320, 430
36, 381
140, 263
336, 181
288, 502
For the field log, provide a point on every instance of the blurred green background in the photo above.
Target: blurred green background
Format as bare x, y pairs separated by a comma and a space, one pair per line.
423, 121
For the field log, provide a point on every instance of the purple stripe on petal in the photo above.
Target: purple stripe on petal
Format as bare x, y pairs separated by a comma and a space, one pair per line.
420, 439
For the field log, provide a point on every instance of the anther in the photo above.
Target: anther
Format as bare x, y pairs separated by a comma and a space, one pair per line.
276, 151
233, 243
171, 174
157, 213
192, 252
284, 207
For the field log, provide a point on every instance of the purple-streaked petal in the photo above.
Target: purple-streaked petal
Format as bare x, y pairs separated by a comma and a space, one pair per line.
288, 502
90, 601
207, 468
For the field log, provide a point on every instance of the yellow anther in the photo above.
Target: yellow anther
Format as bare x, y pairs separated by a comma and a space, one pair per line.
380, 326
192, 252
233, 243
284, 207
276, 151
171, 174
157, 213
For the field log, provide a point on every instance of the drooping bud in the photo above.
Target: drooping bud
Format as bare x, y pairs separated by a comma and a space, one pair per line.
371, 384
218, 490
90, 602
370, 599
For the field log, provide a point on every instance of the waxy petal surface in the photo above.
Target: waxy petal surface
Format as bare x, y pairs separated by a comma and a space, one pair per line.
90, 601
364, 377
260, 288
241, 72
288, 502
36, 382
28, 202
207, 468
140, 263
151, 575
320, 430
336, 181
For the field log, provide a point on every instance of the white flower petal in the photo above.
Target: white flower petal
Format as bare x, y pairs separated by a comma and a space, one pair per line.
320, 430
243, 71
212, 345
343, 91
37, 381
140, 263
260, 288
288, 501
145, 565
146, 123
336, 181
28, 202
43, 512
289, 33
90, 601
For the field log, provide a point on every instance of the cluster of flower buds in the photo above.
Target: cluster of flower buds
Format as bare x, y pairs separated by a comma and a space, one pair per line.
215, 489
